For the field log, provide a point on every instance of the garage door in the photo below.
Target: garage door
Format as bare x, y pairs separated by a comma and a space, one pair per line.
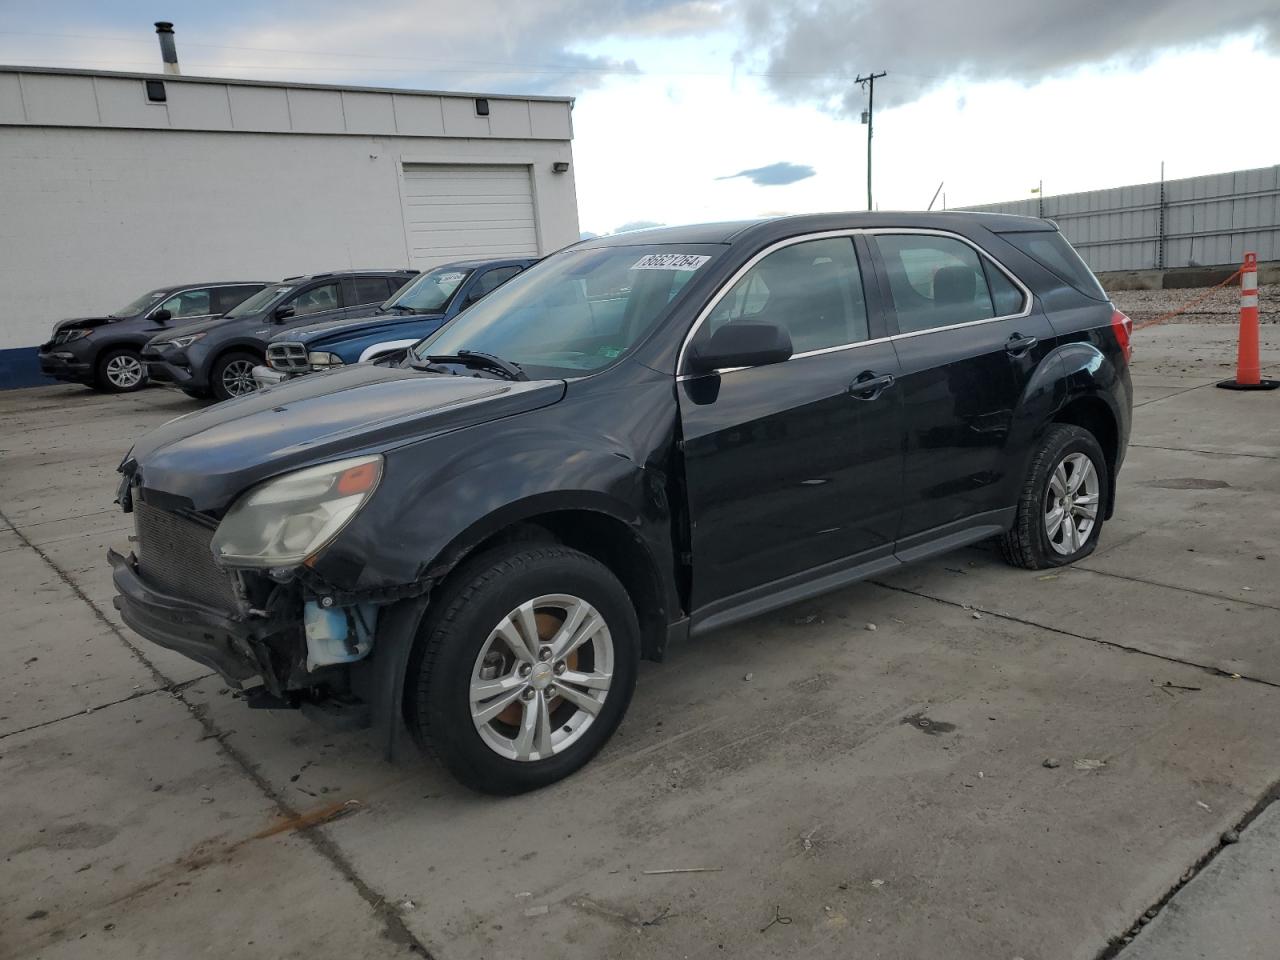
468, 211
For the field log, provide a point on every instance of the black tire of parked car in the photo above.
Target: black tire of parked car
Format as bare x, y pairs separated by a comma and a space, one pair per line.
227, 360
116, 369
1027, 544
460, 620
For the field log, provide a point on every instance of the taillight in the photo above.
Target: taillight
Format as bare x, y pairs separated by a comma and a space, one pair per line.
1123, 328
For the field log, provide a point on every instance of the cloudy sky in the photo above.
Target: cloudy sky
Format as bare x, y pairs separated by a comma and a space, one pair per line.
693, 110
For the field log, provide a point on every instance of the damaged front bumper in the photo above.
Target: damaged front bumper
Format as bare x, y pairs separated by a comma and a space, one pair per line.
241, 649
221, 642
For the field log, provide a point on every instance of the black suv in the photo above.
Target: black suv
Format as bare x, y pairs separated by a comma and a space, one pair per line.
640, 438
218, 357
105, 352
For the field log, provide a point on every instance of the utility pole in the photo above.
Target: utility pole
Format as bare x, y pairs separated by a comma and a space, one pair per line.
868, 117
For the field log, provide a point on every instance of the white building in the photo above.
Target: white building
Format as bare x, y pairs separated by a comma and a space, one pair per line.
114, 183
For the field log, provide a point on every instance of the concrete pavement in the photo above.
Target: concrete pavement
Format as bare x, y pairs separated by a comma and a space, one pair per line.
884, 789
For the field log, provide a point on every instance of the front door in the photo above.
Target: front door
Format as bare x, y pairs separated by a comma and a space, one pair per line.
793, 469
969, 339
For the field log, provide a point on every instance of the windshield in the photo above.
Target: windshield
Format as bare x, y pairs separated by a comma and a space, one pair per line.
576, 312
430, 293
260, 300
134, 307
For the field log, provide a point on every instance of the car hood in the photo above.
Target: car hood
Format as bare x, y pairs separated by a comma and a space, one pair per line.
169, 331
207, 458
82, 323
352, 326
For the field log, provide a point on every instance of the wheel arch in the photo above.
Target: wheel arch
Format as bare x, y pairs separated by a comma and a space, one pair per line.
588, 522
1092, 413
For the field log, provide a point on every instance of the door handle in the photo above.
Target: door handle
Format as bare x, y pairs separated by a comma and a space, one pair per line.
868, 386
1017, 345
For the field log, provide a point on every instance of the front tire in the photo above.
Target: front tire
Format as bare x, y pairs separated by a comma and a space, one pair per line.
232, 375
524, 669
120, 371
1060, 510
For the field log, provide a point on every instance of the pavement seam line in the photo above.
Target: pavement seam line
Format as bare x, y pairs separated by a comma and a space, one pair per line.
1198, 386
1213, 671
395, 929
1117, 945
1211, 453
80, 713
1169, 586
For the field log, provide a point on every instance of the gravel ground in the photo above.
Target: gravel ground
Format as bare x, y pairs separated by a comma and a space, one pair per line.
1222, 306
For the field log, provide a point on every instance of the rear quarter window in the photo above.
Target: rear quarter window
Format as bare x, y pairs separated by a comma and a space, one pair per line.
1050, 249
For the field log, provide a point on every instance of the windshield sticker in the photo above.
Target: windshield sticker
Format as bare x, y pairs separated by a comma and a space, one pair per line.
670, 261
449, 277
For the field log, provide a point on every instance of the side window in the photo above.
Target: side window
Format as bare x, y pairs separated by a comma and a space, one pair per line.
224, 298
935, 281
1006, 298
323, 297
812, 289
189, 303
491, 281
370, 289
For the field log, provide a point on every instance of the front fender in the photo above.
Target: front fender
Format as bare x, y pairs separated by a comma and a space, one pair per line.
440, 497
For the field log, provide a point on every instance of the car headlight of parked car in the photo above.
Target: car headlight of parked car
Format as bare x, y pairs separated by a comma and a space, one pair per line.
322, 361
69, 335
282, 522
186, 341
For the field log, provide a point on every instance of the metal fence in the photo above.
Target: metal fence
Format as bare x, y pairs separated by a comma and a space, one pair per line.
1199, 221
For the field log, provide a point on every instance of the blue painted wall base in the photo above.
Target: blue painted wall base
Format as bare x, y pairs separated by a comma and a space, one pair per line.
19, 367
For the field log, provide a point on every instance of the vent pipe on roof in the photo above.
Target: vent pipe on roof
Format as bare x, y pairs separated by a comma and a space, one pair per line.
168, 49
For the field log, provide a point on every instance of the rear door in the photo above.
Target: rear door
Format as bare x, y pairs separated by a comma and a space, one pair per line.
793, 467
969, 337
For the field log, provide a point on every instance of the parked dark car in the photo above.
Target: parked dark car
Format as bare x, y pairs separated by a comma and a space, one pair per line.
218, 356
105, 352
641, 438
418, 309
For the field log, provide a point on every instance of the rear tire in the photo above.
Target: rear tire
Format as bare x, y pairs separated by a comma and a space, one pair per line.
232, 375
502, 721
1061, 507
120, 370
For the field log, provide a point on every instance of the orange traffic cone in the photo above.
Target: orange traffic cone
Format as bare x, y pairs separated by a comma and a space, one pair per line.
1248, 363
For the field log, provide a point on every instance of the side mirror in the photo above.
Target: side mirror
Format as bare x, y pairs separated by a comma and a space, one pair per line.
283, 313
162, 317
741, 345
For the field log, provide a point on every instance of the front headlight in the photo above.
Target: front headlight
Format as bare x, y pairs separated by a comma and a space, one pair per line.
282, 522
79, 334
322, 361
184, 341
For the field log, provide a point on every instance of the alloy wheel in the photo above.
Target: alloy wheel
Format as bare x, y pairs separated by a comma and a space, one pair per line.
1071, 503
237, 378
124, 371
541, 677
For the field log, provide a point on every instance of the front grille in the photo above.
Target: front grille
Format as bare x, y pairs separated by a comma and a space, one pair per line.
174, 557
289, 357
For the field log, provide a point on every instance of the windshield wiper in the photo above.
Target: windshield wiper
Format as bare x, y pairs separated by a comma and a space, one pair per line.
474, 358
402, 307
